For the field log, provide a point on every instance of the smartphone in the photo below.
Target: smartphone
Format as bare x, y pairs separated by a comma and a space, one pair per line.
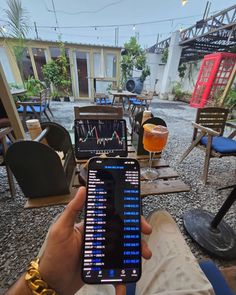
112, 235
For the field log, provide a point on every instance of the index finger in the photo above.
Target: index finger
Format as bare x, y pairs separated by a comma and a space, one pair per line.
145, 226
120, 289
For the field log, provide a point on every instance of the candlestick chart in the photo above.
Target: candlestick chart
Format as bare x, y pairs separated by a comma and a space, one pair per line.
101, 136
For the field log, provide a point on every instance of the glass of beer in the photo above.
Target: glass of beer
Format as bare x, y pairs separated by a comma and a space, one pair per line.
154, 141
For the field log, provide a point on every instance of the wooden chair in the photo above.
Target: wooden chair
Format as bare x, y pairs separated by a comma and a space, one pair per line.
6, 138
141, 103
39, 170
35, 107
98, 112
208, 134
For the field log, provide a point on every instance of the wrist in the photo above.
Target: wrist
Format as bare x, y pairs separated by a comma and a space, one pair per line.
19, 287
35, 281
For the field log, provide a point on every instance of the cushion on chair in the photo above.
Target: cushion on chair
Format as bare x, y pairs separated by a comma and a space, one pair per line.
221, 144
103, 101
138, 102
29, 110
216, 278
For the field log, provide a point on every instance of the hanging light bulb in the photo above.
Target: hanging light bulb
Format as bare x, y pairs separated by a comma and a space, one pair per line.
134, 27
4, 29
184, 2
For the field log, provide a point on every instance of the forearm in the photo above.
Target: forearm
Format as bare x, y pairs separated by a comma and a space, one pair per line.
19, 287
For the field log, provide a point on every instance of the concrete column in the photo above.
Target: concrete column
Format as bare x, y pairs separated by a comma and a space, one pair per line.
171, 69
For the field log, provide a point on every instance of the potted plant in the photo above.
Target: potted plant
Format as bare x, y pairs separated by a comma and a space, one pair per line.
133, 57
56, 73
176, 91
33, 86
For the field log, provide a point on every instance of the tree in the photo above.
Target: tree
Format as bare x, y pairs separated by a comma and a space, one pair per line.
56, 72
133, 56
19, 28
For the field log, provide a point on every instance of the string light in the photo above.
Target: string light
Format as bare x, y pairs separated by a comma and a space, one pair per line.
4, 29
134, 27
184, 2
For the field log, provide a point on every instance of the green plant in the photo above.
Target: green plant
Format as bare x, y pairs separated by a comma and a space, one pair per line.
133, 57
56, 72
17, 22
177, 90
182, 69
33, 86
231, 99
164, 56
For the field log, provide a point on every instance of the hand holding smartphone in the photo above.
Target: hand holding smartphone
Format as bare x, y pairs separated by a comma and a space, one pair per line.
112, 236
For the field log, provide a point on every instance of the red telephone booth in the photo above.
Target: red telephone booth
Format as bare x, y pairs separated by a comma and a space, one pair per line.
213, 76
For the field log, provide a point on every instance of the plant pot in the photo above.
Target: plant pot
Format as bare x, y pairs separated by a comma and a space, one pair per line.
56, 98
66, 98
171, 96
163, 96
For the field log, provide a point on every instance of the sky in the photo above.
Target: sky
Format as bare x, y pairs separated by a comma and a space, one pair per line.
99, 21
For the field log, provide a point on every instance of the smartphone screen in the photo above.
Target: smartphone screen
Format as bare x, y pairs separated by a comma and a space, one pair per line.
112, 237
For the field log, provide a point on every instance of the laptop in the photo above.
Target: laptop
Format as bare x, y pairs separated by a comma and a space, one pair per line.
100, 136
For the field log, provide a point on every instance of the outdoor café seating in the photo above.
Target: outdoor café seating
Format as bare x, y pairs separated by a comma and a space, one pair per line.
208, 134
35, 107
38, 168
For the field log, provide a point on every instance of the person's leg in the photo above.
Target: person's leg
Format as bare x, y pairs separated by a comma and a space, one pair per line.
172, 269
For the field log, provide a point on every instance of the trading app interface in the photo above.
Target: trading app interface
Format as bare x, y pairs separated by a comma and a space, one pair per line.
94, 137
112, 247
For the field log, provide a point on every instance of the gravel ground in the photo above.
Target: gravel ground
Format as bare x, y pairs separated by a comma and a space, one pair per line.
23, 231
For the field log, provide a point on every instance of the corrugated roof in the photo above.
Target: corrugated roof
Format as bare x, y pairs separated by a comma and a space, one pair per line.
65, 42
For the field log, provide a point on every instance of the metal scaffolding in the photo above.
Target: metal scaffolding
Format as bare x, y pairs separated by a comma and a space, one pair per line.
214, 34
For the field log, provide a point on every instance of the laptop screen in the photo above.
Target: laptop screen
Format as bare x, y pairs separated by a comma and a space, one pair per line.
95, 137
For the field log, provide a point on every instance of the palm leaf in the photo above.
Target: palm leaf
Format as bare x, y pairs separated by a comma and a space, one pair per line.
17, 19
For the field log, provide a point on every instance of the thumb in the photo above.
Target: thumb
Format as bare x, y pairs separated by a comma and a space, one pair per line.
68, 217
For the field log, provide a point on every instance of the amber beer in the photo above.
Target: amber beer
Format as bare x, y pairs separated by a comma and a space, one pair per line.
154, 137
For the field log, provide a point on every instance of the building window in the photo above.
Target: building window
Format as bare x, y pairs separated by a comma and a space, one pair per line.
97, 65
82, 63
40, 60
6, 66
110, 64
24, 62
55, 52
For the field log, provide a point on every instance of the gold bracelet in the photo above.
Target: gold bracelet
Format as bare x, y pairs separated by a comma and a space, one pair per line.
36, 284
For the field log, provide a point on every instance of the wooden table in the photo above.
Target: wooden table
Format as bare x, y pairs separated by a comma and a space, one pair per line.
121, 96
168, 182
18, 92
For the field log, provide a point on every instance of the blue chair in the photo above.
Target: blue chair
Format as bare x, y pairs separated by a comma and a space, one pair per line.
35, 107
208, 134
140, 103
213, 274
216, 278
102, 99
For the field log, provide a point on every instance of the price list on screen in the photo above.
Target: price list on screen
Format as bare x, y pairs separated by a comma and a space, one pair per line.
112, 233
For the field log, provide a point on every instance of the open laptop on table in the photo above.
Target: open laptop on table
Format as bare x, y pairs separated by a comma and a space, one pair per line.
104, 136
